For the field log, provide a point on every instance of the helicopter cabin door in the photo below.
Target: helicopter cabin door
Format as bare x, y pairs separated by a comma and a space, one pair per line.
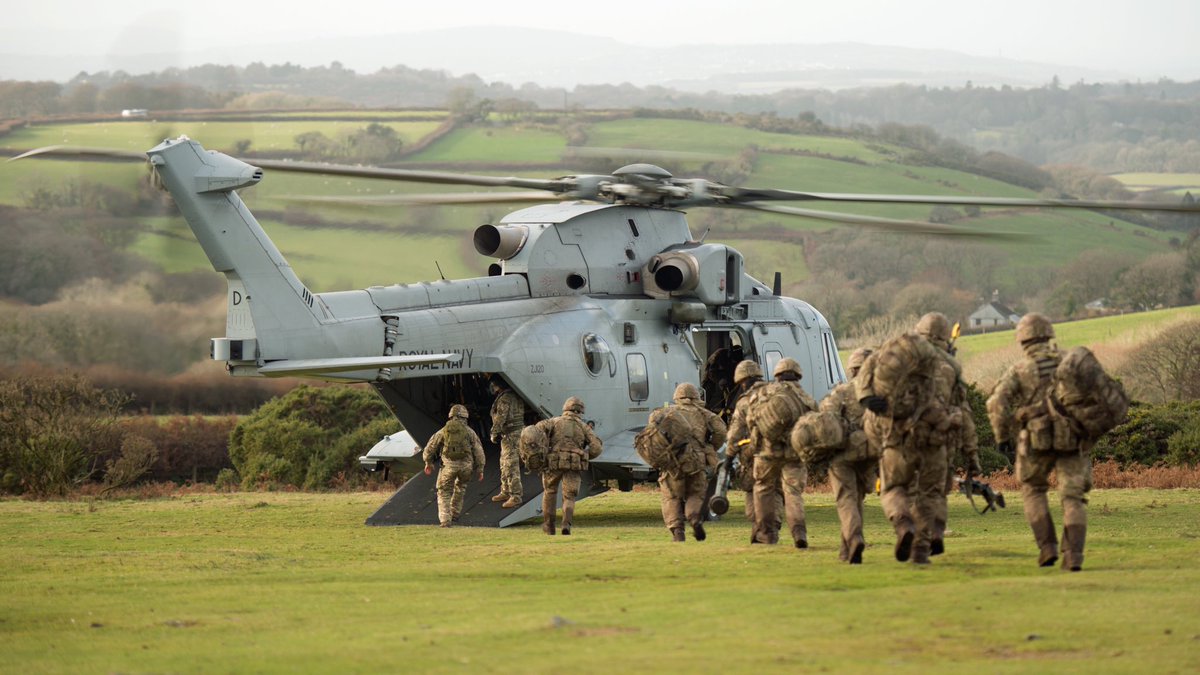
724, 349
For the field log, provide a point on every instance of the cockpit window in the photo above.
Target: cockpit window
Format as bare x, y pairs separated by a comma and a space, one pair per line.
597, 356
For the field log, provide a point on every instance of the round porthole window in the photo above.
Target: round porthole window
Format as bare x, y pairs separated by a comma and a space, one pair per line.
597, 356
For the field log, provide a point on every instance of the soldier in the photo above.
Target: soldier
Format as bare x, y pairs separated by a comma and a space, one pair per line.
852, 471
1017, 406
897, 387
772, 411
461, 453
959, 434
684, 485
572, 444
508, 419
748, 377
720, 378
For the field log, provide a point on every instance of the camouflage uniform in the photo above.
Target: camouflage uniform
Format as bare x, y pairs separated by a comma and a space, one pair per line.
852, 471
1015, 407
508, 419
776, 463
958, 435
898, 381
748, 376
572, 445
682, 489
461, 452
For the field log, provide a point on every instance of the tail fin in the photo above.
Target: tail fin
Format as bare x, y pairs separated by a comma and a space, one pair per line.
266, 297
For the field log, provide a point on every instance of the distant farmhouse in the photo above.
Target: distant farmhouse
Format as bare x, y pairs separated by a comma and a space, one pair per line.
992, 315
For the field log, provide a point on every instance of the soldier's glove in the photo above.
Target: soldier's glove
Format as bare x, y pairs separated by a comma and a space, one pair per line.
876, 404
428, 470
1005, 448
495, 438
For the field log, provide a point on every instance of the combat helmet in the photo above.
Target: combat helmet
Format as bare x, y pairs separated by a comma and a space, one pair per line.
745, 370
687, 390
787, 365
458, 410
1034, 327
856, 360
935, 327
573, 404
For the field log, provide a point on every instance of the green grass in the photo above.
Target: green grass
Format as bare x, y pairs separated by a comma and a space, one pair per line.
498, 144
1157, 181
294, 582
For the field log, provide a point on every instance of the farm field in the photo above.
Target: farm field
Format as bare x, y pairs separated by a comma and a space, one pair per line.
279, 582
1176, 183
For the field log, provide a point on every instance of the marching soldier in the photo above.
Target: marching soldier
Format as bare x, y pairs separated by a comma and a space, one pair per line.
748, 377
773, 410
1018, 413
572, 445
508, 419
852, 471
959, 434
461, 453
897, 387
684, 485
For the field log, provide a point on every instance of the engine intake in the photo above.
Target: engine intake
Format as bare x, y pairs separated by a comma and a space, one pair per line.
500, 242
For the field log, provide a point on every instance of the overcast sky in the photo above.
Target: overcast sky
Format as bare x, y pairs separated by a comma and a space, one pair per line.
1144, 38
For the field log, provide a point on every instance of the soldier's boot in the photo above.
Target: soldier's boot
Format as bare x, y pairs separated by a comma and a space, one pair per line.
1072, 547
511, 502
856, 550
1043, 533
568, 516
904, 538
548, 513
920, 553
444, 524
800, 536
677, 534
500, 497
698, 532
937, 543
548, 523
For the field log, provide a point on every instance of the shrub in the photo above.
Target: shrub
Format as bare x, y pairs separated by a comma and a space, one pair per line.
1145, 438
307, 437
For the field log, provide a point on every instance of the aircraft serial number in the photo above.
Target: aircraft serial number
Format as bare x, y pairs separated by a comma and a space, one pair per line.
537, 368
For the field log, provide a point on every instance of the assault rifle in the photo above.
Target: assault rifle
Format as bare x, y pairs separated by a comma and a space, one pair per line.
971, 486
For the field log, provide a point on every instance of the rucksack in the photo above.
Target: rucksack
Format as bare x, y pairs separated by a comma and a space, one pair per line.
665, 436
534, 447
817, 436
774, 408
896, 373
456, 440
1087, 395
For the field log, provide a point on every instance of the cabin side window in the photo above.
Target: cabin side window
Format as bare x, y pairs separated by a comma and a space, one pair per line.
639, 377
831, 359
773, 359
597, 356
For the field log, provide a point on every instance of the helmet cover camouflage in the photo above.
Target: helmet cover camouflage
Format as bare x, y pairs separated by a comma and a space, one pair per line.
573, 404
458, 410
1034, 326
788, 365
747, 369
685, 391
857, 358
935, 327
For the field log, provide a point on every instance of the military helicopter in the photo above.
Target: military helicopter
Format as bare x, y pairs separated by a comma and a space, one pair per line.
602, 293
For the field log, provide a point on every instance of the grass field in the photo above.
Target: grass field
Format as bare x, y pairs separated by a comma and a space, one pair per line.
274, 582
1176, 183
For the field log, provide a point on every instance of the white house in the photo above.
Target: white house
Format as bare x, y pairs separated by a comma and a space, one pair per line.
992, 315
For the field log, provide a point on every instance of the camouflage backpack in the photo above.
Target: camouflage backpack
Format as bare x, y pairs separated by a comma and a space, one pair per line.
456, 440
665, 435
774, 408
534, 447
1086, 395
897, 374
818, 436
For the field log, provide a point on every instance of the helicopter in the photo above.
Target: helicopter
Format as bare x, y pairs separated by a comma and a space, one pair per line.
599, 291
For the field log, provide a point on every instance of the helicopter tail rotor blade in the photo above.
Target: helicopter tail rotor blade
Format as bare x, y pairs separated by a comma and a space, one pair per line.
77, 152
886, 224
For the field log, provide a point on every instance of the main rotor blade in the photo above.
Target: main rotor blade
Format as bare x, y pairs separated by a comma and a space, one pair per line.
886, 224
755, 195
434, 198
80, 152
411, 175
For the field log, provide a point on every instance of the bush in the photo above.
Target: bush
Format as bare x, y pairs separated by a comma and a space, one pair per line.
308, 437
55, 432
190, 448
1146, 437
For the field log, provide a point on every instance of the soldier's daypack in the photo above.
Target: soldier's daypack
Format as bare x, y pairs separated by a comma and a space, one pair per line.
665, 437
818, 436
898, 374
533, 448
1086, 395
774, 408
456, 440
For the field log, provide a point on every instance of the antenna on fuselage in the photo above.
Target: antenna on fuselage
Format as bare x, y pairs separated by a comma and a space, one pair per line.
777, 288
439, 269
